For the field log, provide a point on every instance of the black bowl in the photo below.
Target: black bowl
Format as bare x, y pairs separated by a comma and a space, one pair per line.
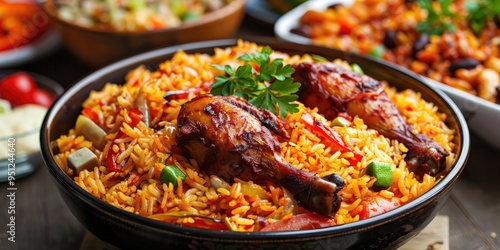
127, 230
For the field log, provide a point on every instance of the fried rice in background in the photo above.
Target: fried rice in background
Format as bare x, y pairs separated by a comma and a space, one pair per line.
238, 206
137, 15
388, 29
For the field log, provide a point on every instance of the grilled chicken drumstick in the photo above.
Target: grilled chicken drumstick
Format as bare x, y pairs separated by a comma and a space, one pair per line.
229, 137
334, 89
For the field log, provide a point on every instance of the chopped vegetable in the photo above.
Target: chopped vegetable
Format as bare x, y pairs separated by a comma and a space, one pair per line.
170, 174
216, 182
264, 83
341, 122
252, 189
190, 16
292, 202
318, 58
299, 222
330, 135
375, 205
91, 114
142, 105
200, 221
231, 225
82, 159
91, 131
356, 68
377, 51
437, 21
110, 160
382, 172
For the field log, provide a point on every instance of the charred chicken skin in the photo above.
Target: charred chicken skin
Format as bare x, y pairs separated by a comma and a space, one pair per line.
334, 89
229, 137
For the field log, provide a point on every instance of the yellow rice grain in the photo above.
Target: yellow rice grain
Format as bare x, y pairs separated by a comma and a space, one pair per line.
153, 190
223, 191
194, 184
126, 199
240, 210
386, 194
244, 221
235, 190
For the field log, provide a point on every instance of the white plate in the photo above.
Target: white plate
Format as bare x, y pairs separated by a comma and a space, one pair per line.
44, 45
483, 117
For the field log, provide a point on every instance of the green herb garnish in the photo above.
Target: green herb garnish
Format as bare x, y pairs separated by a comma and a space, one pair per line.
268, 84
480, 12
438, 19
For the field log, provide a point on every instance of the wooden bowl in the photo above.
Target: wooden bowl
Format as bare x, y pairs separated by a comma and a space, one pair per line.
97, 47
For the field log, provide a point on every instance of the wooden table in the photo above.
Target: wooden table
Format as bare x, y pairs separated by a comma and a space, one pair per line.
44, 222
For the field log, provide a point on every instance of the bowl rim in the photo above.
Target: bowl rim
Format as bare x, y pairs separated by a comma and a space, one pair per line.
232, 7
228, 236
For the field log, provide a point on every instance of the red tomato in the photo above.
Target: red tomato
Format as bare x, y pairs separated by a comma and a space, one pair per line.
17, 88
299, 222
90, 113
41, 97
20, 88
377, 205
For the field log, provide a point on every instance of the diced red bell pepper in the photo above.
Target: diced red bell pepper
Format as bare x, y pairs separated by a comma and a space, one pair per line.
330, 135
110, 160
377, 205
91, 114
345, 26
300, 222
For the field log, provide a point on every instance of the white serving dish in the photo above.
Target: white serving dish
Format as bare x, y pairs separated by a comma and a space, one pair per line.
483, 117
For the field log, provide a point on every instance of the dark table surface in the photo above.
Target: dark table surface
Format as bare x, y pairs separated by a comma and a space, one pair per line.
44, 222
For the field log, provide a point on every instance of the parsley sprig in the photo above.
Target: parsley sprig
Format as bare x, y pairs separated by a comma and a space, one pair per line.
268, 84
480, 12
438, 19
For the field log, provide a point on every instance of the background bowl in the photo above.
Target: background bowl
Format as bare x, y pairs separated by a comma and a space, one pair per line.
476, 110
127, 230
97, 47
26, 160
